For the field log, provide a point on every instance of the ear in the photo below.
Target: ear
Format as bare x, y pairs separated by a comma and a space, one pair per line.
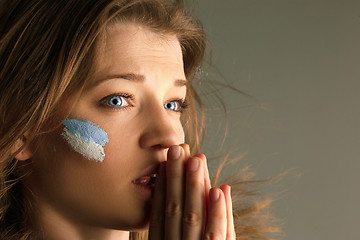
21, 149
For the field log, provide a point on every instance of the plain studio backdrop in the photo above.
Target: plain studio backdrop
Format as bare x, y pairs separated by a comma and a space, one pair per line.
299, 59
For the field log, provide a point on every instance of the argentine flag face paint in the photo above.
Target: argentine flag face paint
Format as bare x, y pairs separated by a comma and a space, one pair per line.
85, 137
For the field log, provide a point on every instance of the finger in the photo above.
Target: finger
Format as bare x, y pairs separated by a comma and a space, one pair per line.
186, 148
156, 228
230, 231
174, 192
206, 173
207, 184
194, 200
216, 225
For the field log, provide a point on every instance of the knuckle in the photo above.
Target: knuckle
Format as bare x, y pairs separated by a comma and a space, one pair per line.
173, 209
191, 218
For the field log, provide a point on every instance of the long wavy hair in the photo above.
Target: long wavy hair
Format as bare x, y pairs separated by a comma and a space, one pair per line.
47, 51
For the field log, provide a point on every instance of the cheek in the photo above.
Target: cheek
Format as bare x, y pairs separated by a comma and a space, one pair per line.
72, 183
85, 138
92, 190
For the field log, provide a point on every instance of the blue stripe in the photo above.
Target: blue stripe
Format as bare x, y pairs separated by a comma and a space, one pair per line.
88, 131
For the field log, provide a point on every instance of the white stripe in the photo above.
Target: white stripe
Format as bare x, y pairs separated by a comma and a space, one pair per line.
91, 151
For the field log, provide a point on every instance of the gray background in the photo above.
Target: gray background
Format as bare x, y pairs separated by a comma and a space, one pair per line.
299, 59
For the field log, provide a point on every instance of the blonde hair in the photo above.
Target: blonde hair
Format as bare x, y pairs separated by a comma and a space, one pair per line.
47, 50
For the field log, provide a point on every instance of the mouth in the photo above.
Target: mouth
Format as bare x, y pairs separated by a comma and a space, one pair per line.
144, 183
147, 180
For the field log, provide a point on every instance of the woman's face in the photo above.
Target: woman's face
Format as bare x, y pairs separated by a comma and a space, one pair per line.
135, 96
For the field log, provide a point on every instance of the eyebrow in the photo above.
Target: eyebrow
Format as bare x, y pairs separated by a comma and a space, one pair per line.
133, 77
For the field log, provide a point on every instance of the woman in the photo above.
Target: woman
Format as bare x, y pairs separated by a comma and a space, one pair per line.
95, 98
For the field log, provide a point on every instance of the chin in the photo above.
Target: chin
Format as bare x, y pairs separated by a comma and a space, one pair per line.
139, 222
143, 219
143, 223
140, 227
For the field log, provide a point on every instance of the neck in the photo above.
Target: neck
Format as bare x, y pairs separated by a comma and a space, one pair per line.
55, 226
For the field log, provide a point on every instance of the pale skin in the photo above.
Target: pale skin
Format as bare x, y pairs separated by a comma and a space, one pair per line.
81, 199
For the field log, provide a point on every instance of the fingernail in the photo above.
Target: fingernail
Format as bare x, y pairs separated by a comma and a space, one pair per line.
174, 152
214, 194
193, 164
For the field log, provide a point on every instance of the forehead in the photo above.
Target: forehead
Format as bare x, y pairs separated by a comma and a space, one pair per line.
128, 45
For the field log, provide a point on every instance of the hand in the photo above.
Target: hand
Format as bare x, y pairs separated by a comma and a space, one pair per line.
184, 204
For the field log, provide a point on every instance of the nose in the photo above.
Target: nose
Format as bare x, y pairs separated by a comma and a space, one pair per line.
160, 131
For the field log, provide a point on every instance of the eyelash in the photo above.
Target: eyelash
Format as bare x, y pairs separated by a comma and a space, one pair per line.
183, 104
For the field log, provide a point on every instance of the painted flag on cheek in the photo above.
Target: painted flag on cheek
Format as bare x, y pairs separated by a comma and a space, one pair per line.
85, 137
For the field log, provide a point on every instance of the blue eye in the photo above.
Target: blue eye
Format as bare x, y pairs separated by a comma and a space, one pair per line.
176, 105
173, 105
116, 101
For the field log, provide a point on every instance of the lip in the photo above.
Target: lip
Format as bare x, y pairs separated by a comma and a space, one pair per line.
145, 190
148, 171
